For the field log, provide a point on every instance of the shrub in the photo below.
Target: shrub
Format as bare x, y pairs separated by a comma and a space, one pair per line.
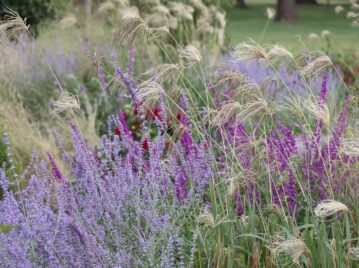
35, 11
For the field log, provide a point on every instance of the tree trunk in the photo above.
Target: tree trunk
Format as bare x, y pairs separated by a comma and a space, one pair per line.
240, 4
307, 2
286, 11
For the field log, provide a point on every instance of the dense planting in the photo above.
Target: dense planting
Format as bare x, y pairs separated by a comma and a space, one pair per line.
248, 162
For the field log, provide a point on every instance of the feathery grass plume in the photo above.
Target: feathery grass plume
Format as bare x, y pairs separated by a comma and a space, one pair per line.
350, 146
351, 15
181, 11
320, 112
226, 113
354, 253
129, 12
329, 208
313, 36
319, 65
295, 105
279, 55
12, 26
288, 251
190, 55
134, 29
338, 9
270, 12
250, 51
238, 111
164, 72
161, 9
67, 101
239, 81
206, 217
106, 7
325, 34
68, 22
149, 92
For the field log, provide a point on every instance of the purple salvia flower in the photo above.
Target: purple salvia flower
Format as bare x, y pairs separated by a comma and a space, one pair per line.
55, 169
291, 192
181, 187
239, 208
127, 81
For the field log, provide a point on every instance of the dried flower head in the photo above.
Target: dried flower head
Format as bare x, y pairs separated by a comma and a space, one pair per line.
135, 29
350, 146
270, 13
338, 9
190, 55
320, 112
206, 217
227, 112
129, 12
68, 22
290, 250
329, 208
351, 15
67, 101
106, 7
181, 10
354, 253
250, 51
164, 73
279, 55
318, 65
313, 36
12, 26
325, 34
149, 92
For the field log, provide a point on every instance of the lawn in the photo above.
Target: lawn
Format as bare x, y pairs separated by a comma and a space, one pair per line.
250, 23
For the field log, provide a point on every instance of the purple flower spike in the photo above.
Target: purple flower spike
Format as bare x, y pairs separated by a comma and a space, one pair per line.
55, 169
181, 187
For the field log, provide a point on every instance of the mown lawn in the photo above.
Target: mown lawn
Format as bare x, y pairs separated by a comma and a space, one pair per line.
250, 23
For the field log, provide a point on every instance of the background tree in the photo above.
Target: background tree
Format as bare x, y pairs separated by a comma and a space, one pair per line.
286, 11
240, 4
309, 2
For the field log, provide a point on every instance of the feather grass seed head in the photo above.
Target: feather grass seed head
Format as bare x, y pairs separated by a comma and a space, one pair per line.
68, 22
320, 112
106, 7
328, 208
313, 36
250, 51
338, 9
206, 217
351, 15
190, 55
317, 66
226, 113
354, 253
325, 34
164, 73
67, 101
350, 146
129, 13
289, 251
149, 92
135, 29
279, 55
270, 12
12, 27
